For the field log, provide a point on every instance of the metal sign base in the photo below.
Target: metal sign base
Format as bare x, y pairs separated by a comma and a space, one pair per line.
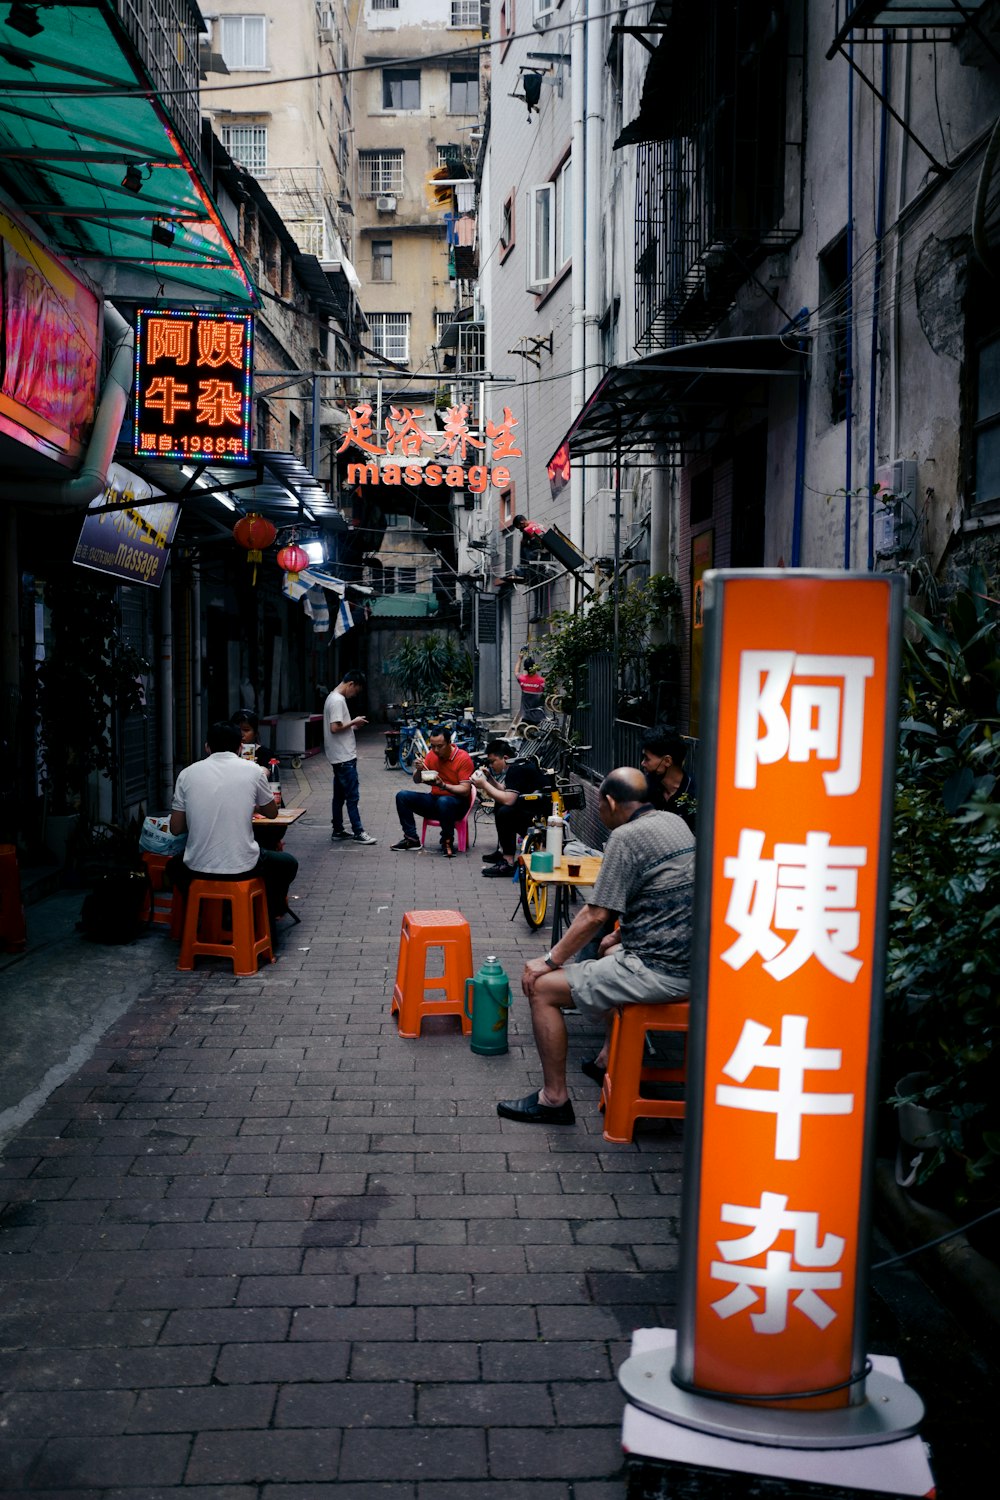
891, 1410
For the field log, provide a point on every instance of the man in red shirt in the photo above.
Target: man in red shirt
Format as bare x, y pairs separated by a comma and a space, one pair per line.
445, 770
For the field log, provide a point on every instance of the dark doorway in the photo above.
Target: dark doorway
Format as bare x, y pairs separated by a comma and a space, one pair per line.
749, 487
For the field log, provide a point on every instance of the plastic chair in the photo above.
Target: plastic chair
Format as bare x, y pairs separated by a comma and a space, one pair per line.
621, 1098
421, 930
164, 908
205, 933
461, 829
13, 932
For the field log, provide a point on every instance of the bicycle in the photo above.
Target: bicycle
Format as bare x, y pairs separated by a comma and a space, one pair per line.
565, 797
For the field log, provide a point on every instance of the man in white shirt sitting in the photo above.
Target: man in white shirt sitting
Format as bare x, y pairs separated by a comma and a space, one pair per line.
214, 802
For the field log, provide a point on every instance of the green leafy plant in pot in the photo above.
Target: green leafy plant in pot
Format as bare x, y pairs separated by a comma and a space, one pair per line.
943, 999
430, 668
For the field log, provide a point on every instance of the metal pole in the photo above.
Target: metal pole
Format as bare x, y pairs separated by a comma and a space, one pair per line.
615, 586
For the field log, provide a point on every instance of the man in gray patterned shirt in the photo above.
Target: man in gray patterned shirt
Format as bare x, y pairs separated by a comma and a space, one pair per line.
646, 880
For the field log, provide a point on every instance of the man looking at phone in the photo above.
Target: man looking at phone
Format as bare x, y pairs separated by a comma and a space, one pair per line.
445, 771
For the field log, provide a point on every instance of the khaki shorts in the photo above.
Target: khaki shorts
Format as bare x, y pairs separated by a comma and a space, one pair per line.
600, 985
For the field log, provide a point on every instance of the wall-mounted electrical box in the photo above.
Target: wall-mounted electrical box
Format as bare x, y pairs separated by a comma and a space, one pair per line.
895, 507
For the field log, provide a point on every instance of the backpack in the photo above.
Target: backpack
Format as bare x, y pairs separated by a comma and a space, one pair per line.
113, 912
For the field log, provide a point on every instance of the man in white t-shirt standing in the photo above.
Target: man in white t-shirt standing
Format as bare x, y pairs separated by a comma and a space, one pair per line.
341, 749
214, 803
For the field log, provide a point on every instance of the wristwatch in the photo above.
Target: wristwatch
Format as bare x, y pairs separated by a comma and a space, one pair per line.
551, 961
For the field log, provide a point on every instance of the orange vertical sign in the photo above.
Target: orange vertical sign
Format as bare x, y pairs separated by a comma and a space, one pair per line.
796, 788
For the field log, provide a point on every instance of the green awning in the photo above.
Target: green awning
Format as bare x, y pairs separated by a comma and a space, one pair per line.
72, 128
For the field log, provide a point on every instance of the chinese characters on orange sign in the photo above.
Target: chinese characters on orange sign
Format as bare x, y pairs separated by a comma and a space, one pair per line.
193, 384
406, 438
796, 855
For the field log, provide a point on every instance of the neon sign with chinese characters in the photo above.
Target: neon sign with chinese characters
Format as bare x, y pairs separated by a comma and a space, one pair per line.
400, 459
193, 384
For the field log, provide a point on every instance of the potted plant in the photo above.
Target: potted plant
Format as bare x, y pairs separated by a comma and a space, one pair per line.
88, 674
432, 669
943, 999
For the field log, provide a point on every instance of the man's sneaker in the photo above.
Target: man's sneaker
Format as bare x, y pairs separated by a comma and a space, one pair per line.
493, 858
406, 843
364, 838
338, 833
502, 871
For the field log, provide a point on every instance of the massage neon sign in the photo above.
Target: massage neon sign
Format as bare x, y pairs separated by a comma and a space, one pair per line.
193, 396
400, 459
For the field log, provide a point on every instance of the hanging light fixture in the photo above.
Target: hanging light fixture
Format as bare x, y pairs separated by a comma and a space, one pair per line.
162, 232
293, 559
136, 173
254, 533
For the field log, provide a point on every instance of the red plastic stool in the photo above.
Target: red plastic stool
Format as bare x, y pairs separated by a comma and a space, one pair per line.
449, 931
621, 1097
13, 932
205, 933
164, 908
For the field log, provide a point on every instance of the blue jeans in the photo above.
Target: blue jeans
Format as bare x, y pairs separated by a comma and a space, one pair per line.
442, 808
346, 790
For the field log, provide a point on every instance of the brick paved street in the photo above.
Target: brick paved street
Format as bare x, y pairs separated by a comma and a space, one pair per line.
259, 1246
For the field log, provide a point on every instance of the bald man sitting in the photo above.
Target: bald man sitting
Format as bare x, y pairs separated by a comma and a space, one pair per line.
646, 880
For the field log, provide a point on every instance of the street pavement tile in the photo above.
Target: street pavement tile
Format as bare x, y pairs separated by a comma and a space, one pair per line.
113, 1460
484, 1405
391, 1453
255, 1457
356, 1403
262, 1248
541, 1453
195, 1409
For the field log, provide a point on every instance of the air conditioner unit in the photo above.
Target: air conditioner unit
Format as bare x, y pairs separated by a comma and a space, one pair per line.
326, 33
385, 204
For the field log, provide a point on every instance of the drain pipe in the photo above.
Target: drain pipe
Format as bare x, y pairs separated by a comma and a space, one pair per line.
877, 302
849, 315
92, 476
798, 499
578, 294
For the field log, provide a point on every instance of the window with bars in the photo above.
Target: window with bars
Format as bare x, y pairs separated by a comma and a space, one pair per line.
400, 88
244, 41
442, 320
390, 335
466, 13
381, 172
385, 4
463, 95
247, 144
381, 260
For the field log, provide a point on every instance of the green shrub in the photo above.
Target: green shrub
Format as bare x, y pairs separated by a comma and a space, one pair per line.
943, 1007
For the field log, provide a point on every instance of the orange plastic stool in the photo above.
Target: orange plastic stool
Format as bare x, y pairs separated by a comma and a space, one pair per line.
204, 932
13, 932
449, 931
164, 908
621, 1097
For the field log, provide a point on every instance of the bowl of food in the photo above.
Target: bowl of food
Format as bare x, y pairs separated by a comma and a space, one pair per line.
428, 776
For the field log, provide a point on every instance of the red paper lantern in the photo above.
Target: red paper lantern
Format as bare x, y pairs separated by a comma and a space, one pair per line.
293, 559
254, 533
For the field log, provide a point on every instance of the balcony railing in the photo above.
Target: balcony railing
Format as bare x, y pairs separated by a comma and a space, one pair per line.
722, 188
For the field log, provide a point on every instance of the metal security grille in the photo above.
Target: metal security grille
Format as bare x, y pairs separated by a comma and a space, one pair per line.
719, 191
390, 335
247, 144
381, 172
165, 34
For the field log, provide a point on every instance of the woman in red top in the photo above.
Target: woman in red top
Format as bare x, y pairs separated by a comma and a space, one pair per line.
532, 685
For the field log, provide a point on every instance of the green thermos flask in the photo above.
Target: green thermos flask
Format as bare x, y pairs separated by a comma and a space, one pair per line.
490, 1004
